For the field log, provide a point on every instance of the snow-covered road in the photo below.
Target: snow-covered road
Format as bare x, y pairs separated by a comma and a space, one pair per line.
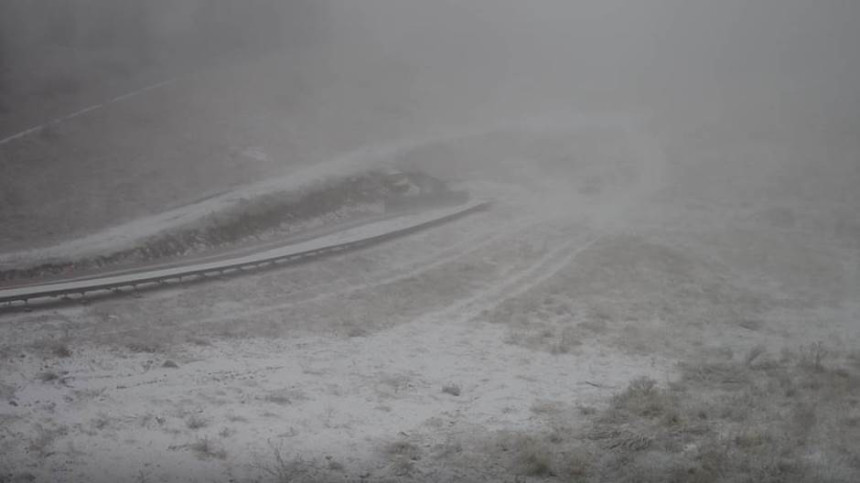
342, 240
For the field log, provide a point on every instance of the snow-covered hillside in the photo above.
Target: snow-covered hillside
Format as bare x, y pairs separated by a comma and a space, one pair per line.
606, 309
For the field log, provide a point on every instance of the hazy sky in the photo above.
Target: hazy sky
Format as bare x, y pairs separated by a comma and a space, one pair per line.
681, 51
720, 48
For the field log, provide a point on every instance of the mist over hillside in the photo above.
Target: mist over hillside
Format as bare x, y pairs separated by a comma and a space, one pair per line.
737, 91
620, 51
650, 53
134, 34
430, 240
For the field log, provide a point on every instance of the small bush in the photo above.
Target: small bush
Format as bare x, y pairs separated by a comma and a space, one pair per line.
143, 347
642, 398
43, 441
204, 448
49, 376
732, 421
53, 347
812, 357
452, 389
284, 470
403, 449
196, 422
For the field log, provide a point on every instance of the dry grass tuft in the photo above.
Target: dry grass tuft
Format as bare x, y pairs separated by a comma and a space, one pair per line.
758, 418
144, 347
402, 457
559, 455
42, 443
100, 422
752, 420
403, 449
283, 470
53, 347
49, 376
204, 448
196, 422
285, 397
643, 293
452, 389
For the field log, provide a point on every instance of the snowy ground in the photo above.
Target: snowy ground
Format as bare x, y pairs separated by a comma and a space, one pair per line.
453, 354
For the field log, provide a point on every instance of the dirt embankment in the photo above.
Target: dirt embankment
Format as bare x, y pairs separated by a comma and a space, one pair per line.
325, 204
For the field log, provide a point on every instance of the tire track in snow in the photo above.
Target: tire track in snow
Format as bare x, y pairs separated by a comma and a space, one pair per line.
521, 281
450, 255
513, 285
612, 217
428, 262
652, 165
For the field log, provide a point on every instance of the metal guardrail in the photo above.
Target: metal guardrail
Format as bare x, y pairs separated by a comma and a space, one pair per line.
268, 258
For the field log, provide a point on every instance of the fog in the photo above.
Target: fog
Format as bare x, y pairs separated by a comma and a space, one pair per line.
429, 240
710, 76
640, 53
660, 53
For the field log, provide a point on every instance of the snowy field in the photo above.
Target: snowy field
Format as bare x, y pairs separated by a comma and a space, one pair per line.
640, 304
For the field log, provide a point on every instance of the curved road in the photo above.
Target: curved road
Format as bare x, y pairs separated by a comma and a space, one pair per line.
351, 238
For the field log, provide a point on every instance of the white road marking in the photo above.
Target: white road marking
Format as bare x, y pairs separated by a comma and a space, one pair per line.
142, 90
81, 112
21, 134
